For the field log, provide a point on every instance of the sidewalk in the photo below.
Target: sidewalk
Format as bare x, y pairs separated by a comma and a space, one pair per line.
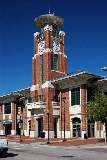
56, 141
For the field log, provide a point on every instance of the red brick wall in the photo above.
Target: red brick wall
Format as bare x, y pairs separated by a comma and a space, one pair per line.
99, 126
36, 41
25, 118
49, 93
65, 106
62, 44
1, 117
13, 116
33, 124
83, 105
47, 66
48, 39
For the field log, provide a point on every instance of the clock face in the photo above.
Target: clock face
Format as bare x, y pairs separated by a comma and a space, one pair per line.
41, 46
56, 46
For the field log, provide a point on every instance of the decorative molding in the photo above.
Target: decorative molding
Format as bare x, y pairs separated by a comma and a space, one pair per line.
36, 34
62, 33
41, 47
51, 134
65, 55
47, 84
46, 50
34, 87
48, 28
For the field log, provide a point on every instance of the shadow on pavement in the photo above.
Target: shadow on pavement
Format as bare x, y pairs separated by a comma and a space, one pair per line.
8, 155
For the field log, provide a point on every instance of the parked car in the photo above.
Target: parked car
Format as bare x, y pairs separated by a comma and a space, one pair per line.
3, 145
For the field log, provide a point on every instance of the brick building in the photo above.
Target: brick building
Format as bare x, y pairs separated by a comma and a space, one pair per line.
55, 104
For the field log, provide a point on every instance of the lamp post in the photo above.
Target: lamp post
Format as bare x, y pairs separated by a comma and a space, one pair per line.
48, 142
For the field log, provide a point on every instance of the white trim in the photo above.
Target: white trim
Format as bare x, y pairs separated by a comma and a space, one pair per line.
67, 134
13, 132
46, 50
26, 132
1, 132
48, 28
36, 34
76, 116
76, 74
47, 84
34, 87
33, 134
62, 33
82, 134
51, 134
65, 55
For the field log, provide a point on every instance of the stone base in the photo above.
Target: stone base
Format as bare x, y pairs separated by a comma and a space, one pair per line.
1, 132
51, 134
99, 134
67, 134
33, 134
26, 133
83, 133
13, 132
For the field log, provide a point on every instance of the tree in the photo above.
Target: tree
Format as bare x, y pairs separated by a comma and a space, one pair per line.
97, 108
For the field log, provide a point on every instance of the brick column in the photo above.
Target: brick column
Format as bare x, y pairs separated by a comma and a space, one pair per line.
33, 132
13, 106
1, 120
25, 122
49, 93
83, 94
65, 113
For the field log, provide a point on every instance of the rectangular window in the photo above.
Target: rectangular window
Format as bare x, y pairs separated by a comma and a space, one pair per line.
7, 108
75, 96
54, 62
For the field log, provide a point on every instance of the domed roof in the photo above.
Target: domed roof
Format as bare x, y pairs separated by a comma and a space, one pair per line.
50, 19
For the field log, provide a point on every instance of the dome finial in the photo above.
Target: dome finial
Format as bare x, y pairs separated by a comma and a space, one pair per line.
49, 11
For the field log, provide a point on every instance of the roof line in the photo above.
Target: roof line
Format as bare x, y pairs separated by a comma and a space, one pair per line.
19, 90
75, 74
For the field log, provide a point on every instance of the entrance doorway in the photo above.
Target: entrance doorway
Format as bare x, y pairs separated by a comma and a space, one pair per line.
8, 128
40, 126
55, 121
76, 123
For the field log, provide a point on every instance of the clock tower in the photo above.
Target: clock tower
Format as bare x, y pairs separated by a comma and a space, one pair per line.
49, 61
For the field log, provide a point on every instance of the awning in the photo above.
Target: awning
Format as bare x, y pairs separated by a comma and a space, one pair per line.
6, 122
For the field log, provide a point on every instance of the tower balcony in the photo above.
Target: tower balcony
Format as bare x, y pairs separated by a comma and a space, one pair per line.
37, 102
56, 106
56, 102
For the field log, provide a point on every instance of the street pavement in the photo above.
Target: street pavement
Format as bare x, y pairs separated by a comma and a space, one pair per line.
42, 151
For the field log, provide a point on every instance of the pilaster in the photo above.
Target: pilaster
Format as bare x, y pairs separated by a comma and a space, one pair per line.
13, 131
83, 90
1, 120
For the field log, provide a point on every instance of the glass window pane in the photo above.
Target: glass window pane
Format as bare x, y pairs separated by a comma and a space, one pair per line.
75, 96
7, 108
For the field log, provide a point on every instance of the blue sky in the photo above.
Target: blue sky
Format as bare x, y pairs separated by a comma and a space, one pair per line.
85, 25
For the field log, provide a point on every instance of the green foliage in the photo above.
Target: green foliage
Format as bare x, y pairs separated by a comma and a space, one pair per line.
97, 107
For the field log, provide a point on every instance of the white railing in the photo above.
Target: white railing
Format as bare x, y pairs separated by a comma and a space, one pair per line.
55, 104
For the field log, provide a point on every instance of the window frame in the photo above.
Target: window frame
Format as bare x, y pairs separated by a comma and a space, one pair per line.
7, 110
75, 96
